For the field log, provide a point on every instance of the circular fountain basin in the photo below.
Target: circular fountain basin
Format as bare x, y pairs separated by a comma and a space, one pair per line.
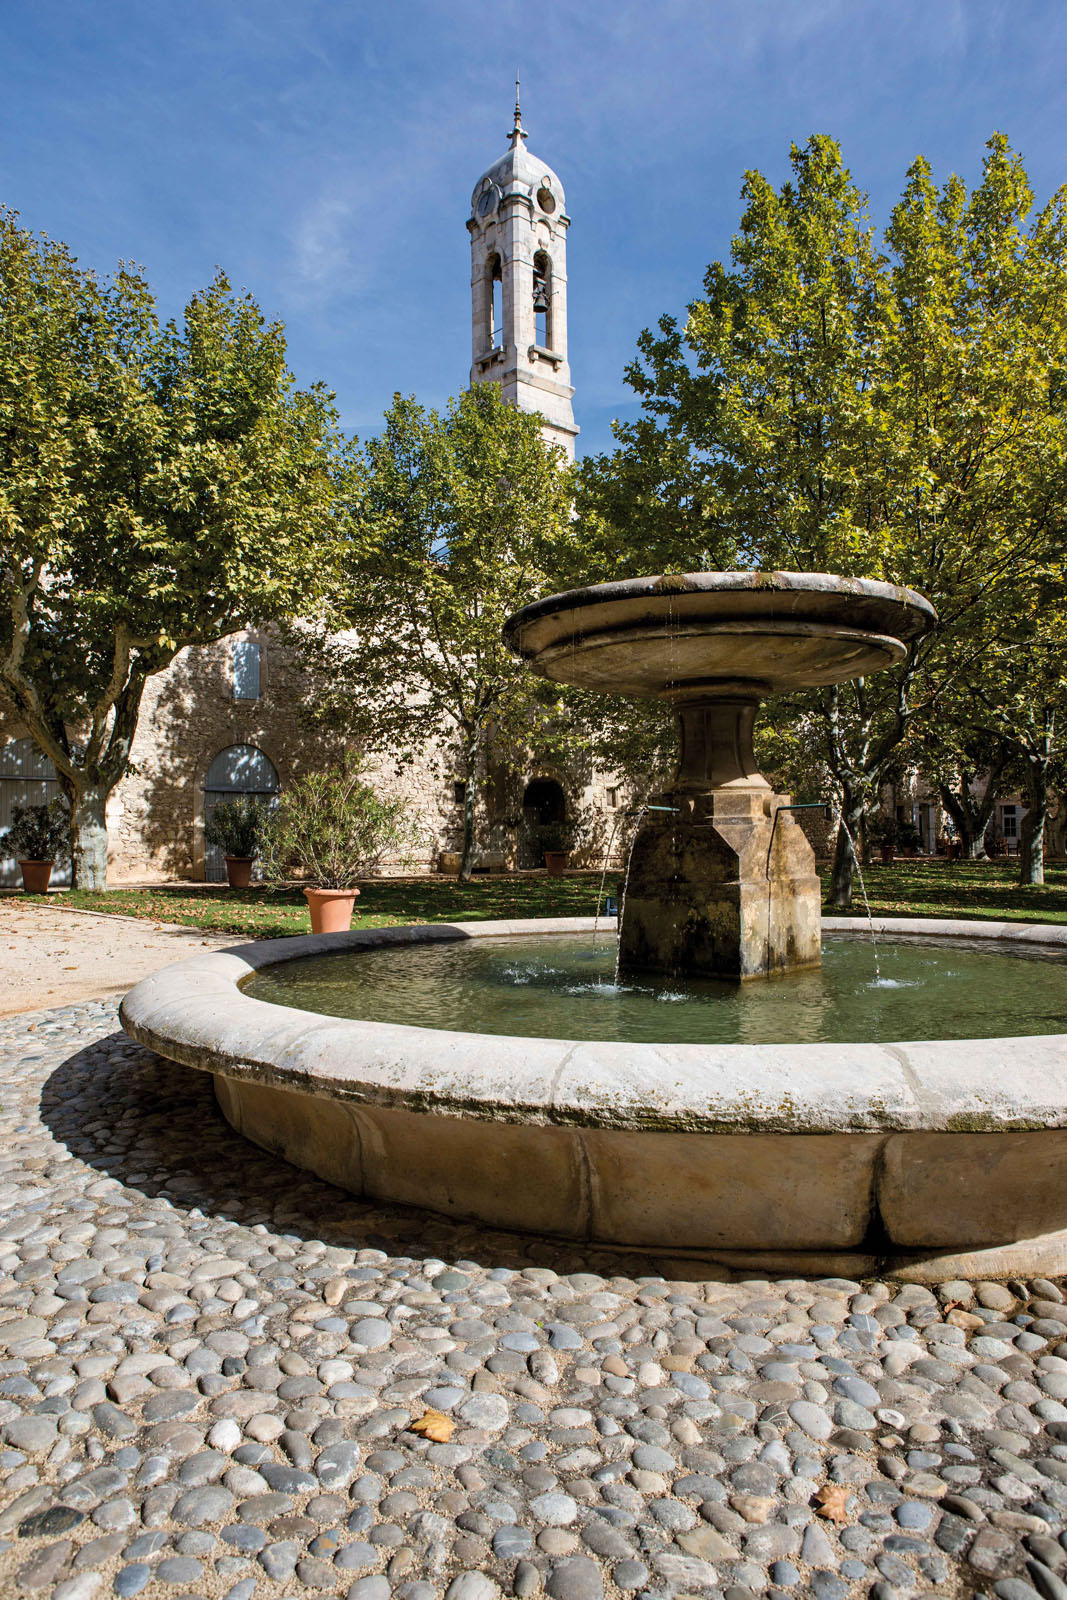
924, 1158
715, 632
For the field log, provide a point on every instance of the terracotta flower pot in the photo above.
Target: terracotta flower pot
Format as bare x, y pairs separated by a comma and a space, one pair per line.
555, 863
239, 871
35, 876
331, 909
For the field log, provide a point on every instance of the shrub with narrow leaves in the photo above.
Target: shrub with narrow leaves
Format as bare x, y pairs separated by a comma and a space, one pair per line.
236, 826
332, 829
37, 833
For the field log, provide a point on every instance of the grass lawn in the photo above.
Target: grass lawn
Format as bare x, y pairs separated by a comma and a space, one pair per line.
907, 888
275, 913
981, 889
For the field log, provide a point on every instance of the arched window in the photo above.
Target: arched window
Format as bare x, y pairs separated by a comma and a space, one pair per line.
239, 769
27, 778
542, 299
494, 303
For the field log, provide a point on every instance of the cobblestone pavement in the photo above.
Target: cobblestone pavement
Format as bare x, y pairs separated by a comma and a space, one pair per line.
209, 1361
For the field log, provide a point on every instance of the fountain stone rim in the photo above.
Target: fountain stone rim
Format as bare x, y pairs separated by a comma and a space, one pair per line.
195, 1012
825, 629
922, 1161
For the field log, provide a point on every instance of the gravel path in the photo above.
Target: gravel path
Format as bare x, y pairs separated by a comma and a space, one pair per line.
49, 955
209, 1362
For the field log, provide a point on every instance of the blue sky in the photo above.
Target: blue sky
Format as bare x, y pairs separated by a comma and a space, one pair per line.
324, 151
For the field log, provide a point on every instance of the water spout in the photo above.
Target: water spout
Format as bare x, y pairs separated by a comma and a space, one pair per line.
863, 891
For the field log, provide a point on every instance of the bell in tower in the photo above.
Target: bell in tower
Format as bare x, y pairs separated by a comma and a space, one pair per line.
518, 228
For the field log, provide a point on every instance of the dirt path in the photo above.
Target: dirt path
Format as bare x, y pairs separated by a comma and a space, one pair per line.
50, 957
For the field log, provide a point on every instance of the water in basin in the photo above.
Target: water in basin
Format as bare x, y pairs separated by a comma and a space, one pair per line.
561, 987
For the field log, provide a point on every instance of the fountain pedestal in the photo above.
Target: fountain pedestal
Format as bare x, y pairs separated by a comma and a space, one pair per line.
721, 879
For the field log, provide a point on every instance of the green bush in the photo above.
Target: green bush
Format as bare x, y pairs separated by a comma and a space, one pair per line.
893, 831
38, 833
332, 828
554, 836
236, 826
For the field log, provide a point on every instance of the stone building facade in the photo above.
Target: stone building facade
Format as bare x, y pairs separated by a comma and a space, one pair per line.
230, 717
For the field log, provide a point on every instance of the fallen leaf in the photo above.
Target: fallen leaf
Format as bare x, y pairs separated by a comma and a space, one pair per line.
434, 1425
832, 1500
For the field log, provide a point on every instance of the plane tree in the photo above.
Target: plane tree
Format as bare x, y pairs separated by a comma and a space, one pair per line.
458, 519
161, 485
890, 408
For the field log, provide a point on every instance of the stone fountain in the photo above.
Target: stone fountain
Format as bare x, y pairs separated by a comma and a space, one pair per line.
722, 879
923, 1157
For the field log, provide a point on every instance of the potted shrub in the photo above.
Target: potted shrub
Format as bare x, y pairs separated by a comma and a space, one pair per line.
882, 831
334, 829
236, 827
554, 839
37, 835
909, 839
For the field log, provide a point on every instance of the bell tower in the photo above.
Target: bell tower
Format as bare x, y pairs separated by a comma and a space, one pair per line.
518, 228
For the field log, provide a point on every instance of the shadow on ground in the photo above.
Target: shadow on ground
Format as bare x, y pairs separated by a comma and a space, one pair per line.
155, 1128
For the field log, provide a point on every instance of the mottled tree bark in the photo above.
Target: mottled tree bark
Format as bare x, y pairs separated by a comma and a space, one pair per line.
88, 837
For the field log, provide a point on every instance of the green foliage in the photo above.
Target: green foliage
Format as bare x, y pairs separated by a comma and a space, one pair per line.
333, 828
236, 826
459, 521
553, 836
1017, 696
160, 486
891, 410
895, 831
37, 833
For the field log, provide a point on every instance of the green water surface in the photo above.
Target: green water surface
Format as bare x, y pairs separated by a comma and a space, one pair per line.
563, 987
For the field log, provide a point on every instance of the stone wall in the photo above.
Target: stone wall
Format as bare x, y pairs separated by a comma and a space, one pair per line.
189, 715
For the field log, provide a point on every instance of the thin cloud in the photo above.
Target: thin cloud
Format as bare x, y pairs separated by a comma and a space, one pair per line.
322, 249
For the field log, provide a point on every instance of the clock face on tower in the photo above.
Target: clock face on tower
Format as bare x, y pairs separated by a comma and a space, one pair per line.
487, 201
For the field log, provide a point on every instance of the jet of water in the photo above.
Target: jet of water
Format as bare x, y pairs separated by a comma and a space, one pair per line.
626, 884
604, 873
863, 890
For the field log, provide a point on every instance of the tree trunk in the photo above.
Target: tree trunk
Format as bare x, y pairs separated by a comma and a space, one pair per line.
1032, 841
466, 863
970, 821
88, 838
971, 812
852, 810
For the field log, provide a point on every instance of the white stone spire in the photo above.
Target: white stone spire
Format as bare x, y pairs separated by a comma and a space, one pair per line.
518, 227
518, 131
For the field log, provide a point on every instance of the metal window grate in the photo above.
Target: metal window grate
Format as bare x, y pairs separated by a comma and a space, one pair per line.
239, 769
246, 658
27, 778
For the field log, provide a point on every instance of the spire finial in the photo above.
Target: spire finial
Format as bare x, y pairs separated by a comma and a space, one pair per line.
518, 131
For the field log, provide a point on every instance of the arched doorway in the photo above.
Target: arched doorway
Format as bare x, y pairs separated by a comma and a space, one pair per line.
239, 769
543, 802
27, 778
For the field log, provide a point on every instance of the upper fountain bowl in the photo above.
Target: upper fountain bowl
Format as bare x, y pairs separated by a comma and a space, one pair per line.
705, 633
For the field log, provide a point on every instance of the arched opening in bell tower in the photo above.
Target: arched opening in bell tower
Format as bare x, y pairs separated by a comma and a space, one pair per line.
494, 303
542, 300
